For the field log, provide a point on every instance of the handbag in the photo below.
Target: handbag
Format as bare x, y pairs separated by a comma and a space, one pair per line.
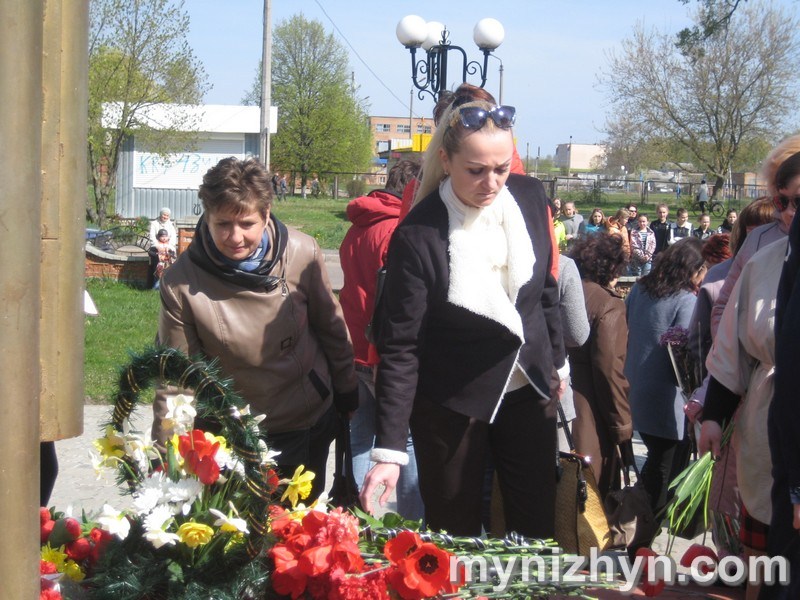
630, 516
581, 522
344, 491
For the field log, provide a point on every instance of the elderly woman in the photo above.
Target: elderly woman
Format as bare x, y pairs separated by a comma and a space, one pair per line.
470, 333
599, 386
742, 365
254, 295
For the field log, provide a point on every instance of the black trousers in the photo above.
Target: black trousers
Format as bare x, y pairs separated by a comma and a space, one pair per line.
665, 460
48, 471
452, 452
307, 447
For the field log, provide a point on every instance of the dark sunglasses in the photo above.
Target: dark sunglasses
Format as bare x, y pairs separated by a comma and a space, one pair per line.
474, 117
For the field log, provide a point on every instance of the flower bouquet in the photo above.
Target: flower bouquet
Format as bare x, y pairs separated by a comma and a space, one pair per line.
210, 518
197, 522
688, 370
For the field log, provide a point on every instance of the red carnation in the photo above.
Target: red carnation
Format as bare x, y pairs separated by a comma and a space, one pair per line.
50, 595
79, 549
46, 567
44, 515
45, 530
100, 538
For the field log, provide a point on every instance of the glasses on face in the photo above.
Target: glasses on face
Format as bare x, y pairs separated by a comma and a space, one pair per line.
474, 117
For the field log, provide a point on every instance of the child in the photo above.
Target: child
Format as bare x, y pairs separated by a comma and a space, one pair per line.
643, 245
163, 253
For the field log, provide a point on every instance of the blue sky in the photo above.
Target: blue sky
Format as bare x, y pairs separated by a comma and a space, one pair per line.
551, 55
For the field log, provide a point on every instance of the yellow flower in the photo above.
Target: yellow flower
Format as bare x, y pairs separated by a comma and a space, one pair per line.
195, 534
73, 571
54, 555
299, 487
112, 445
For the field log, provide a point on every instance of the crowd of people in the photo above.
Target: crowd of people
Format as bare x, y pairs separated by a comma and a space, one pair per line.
488, 304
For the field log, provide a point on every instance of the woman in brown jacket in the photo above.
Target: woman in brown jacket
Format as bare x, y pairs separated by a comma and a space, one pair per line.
254, 295
603, 416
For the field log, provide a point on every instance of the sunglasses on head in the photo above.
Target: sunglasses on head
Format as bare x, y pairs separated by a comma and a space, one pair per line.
474, 117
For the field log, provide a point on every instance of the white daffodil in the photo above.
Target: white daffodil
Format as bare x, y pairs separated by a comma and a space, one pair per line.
180, 414
114, 522
155, 525
140, 450
226, 523
267, 454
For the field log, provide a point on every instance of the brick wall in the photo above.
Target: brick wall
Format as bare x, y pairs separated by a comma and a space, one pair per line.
128, 269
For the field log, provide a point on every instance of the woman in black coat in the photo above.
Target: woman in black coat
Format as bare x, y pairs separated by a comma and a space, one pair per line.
469, 333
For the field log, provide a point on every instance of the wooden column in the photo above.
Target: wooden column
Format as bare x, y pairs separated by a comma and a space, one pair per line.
20, 190
43, 67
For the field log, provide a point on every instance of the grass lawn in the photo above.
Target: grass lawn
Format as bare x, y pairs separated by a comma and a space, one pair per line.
323, 218
127, 322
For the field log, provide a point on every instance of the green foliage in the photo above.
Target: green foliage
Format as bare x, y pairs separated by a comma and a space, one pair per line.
138, 58
356, 187
730, 95
324, 127
128, 319
714, 17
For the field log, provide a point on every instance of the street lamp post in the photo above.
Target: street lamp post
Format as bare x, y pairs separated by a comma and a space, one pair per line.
430, 75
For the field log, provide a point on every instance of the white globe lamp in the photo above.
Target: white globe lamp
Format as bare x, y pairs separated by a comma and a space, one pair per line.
411, 31
488, 34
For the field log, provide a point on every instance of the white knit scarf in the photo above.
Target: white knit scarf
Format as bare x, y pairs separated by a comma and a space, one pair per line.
491, 256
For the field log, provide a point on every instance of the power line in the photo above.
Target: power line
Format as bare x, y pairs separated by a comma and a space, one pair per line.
363, 62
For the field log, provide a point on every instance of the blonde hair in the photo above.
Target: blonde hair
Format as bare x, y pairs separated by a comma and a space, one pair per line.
785, 149
448, 136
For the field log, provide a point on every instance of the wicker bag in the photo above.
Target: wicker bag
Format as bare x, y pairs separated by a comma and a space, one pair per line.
581, 522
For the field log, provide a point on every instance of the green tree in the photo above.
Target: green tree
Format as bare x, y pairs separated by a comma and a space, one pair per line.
138, 58
323, 125
712, 18
736, 89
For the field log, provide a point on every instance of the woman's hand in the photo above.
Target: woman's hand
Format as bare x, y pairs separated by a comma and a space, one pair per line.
385, 474
693, 410
710, 439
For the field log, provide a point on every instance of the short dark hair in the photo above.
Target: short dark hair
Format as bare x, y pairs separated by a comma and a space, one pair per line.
400, 174
240, 185
600, 258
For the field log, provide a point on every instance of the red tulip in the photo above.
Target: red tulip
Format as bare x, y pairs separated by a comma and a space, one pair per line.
696, 550
650, 588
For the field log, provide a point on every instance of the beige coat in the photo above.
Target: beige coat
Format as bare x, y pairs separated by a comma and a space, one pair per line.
287, 350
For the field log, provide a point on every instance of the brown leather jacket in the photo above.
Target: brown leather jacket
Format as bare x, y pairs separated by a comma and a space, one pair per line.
287, 349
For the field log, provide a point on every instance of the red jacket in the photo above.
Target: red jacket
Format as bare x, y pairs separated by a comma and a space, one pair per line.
363, 250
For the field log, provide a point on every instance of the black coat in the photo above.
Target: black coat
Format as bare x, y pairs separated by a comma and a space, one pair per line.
432, 348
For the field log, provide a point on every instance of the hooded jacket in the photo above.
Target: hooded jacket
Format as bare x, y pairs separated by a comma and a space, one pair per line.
278, 331
363, 251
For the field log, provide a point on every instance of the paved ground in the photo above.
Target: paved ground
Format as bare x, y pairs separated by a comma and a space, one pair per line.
78, 487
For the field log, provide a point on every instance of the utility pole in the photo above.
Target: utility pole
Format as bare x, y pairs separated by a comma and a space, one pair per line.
266, 84
500, 98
